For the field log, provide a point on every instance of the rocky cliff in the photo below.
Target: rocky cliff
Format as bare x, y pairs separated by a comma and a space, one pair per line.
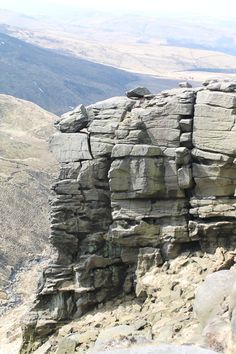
145, 180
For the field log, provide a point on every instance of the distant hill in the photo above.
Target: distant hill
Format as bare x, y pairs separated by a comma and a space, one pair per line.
26, 172
59, 82
186, 47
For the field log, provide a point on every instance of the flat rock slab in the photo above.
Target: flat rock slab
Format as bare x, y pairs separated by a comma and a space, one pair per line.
122, 150
69, 147
227, 100
214, 127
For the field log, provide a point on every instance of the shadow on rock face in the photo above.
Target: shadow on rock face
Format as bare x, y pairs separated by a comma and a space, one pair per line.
143, 182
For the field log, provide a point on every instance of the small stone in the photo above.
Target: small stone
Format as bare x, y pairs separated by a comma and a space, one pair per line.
3, 295
66, 346
138, 92
140, 324
183, 156
185, 84
186, 125
186, 139
185, 180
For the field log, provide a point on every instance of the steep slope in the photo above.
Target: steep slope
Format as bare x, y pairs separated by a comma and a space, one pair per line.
26, 169
58, 82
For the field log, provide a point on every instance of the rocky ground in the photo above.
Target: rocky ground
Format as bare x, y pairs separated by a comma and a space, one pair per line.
16, 300
165, 316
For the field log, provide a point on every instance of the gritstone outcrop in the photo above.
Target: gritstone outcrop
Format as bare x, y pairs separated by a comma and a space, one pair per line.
142, 180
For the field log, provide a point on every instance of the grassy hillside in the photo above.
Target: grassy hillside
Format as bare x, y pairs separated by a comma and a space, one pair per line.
26, 171
58, 82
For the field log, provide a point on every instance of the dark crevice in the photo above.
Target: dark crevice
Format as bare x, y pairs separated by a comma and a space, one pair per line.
89, 146
215, 219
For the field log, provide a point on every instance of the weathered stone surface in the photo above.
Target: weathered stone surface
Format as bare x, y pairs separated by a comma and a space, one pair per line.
148, 258
171, 181
162, 128
211, 208
213, 180
70, 147
66, 346
142, 188
105, 116
183, 156
104, 126
186, 140
214, 122
206, 140
74, 121
137, 209
186, 125
137, 177
122, 150
207, 111
185, 177
138, 92
141, 234
216, 99
203, 156
100, 147
220, 85
115, 107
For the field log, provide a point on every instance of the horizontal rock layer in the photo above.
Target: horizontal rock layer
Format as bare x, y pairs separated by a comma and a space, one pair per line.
141, 181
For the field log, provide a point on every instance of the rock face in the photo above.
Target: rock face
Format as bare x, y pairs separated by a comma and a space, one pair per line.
141, 181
